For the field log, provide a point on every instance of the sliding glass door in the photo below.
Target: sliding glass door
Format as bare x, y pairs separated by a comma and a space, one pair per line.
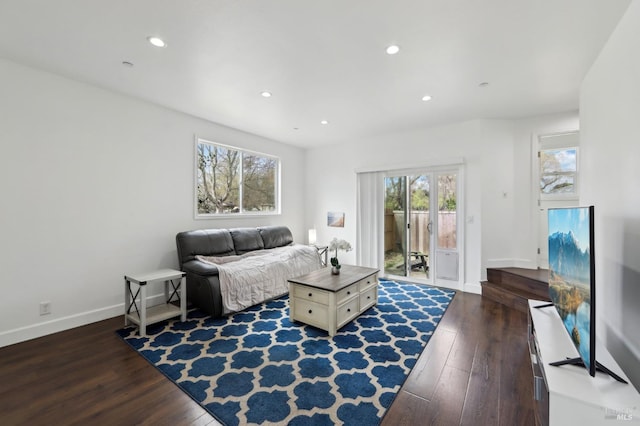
446, 250
420, 226
407, 226
395, 218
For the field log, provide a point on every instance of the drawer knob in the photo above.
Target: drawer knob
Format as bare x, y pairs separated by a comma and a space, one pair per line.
348, 292
310, 294
349, 310
310, 311
368, 297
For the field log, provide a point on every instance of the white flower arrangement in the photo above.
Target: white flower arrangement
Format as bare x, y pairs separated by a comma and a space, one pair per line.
336, 245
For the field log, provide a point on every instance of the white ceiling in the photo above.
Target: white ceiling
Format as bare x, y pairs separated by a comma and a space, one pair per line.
322, 59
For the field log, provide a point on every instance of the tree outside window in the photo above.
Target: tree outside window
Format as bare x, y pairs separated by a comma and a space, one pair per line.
558, 171
232, 181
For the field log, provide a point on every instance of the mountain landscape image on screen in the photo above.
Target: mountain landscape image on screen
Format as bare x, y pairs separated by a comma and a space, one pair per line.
569, 287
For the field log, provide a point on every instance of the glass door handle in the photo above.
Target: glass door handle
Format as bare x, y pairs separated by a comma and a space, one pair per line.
429, 226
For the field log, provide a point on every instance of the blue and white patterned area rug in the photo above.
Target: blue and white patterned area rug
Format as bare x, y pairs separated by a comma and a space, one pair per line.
256, 367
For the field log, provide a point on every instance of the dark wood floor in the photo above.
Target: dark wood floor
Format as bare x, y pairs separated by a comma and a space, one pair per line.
474, 371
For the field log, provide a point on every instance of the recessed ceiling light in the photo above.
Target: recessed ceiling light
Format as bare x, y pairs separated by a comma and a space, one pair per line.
265, 94
426, 98
484, 84
127, 64
324, 122
156, 41
393, 49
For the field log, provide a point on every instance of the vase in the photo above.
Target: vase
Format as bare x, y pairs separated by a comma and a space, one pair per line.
335, 270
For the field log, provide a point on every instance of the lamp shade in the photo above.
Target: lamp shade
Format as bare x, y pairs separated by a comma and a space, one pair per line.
312, 236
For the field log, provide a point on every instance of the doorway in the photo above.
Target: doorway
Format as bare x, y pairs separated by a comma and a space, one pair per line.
421, 225
557, 183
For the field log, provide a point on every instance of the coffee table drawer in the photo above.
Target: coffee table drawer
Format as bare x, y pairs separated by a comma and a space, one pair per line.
312, 294
346, 293
368, 298
312, 313
347, 312
368, 282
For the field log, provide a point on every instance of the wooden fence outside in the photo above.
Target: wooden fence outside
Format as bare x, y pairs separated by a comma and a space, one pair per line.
419, 221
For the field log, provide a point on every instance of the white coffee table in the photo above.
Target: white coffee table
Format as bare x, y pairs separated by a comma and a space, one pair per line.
330, 301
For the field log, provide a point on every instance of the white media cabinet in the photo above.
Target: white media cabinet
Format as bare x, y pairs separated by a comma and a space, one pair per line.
567, 394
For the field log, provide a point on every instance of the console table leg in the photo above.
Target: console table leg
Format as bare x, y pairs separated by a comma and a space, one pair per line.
142, 330
127, 300
183, 298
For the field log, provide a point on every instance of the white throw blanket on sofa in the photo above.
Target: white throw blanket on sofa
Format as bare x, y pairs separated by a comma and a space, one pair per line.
256, 276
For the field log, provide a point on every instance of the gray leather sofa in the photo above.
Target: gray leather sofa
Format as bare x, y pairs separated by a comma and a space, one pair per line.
203, 284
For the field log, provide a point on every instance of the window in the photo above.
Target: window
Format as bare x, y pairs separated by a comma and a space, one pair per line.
559, 171
230, 181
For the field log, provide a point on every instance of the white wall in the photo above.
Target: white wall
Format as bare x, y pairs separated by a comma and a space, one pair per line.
610, 135
487, 147
331, 178
94, 185
497, 156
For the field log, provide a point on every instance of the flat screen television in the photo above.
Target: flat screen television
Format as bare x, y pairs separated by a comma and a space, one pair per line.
572, 281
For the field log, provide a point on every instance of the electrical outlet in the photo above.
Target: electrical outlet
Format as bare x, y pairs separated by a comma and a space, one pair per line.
45, 308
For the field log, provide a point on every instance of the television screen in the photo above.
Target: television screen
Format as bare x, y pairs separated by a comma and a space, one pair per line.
572, 277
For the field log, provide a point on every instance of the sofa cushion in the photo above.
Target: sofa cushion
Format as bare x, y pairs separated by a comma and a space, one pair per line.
275, 236
206, 242
246, 240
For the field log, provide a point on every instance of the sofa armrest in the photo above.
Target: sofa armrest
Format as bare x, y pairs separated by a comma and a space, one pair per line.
200, 268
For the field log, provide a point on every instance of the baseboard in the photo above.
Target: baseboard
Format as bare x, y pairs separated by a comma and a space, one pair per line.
464, 287
512, 263
22, 334
474, 288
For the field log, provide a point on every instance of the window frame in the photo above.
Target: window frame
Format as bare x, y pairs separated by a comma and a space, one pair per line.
242, 213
